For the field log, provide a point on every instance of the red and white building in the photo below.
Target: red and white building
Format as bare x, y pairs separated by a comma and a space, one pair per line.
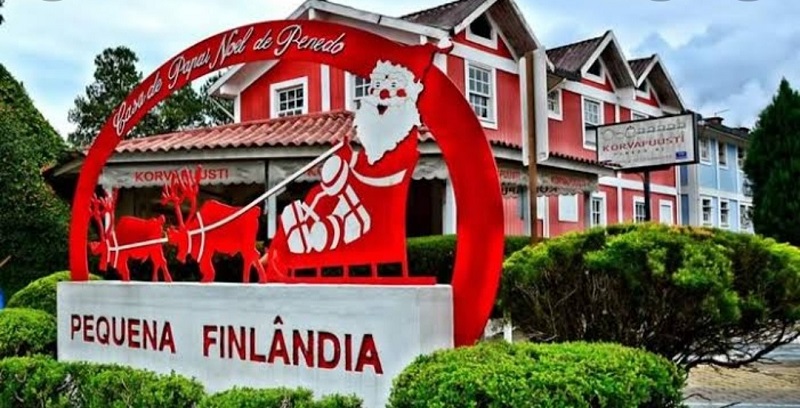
287, 113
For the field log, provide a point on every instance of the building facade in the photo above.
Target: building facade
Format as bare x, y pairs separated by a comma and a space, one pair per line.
288, 113
716, 192
601, 86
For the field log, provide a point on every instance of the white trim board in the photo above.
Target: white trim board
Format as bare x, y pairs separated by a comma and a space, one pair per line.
325, 82
482, 57
725, 195
606, 96
638, 186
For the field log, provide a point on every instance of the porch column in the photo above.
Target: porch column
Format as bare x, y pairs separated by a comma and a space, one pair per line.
587, 210
272, 217
449, 210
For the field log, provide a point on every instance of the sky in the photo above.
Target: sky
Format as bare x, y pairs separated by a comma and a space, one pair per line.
726, 57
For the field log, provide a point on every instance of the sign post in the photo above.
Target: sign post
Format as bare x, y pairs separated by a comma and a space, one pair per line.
648, 145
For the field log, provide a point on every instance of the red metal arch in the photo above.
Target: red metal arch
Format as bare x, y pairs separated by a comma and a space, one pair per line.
464, 146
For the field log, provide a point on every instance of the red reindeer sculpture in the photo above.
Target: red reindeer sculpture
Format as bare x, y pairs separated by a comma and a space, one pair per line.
216, 229
130, 238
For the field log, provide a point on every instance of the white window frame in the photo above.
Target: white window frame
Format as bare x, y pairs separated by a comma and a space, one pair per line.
722, 150
743, 209
350, 91
275, 88
740, 151
486, 42
710, 221
707, 142
557, 114
491, 122
726, 224
639, 200
568, 200
594, 78
666, 203
603, 213
601, 119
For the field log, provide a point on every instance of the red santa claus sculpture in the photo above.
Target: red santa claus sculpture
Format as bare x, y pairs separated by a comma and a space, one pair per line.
355, 217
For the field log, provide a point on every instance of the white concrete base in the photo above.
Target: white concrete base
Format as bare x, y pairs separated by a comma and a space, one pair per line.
328, 338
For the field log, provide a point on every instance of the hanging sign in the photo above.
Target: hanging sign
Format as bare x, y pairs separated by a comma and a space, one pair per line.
212, 173
664, 141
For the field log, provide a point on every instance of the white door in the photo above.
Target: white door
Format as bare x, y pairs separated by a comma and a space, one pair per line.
665, 213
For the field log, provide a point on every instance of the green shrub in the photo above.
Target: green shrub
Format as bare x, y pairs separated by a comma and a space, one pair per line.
245, 397
41, 381
41, 293
121, 387
520, 375
25, 332
435, 255
688, 294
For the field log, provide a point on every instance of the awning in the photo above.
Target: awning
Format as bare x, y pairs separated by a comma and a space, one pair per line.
428, 168
551, 181
154, 175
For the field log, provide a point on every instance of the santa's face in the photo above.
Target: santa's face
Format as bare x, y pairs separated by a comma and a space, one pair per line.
389, 110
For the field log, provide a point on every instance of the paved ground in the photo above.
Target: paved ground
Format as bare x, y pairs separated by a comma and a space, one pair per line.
760, 385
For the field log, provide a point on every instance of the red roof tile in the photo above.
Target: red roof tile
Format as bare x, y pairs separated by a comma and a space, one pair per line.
304, 130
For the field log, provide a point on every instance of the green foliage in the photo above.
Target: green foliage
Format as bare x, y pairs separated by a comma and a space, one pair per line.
687, 294
435, 255
115, 77
41, 381
1, 16
245, 397
25, 332
33, 221
41, 293
520, 375
771, 166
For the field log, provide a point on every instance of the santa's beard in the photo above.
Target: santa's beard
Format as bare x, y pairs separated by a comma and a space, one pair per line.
380, 134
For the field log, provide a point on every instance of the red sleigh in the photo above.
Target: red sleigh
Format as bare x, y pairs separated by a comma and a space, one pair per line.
376, 257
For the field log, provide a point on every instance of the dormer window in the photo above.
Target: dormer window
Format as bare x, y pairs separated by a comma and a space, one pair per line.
596, 69
643, 90
481, 31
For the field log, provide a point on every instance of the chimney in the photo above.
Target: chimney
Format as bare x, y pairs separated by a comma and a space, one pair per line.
744, 129
714, 120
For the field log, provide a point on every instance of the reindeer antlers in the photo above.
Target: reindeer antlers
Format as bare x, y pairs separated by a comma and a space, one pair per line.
182, 187
102, 207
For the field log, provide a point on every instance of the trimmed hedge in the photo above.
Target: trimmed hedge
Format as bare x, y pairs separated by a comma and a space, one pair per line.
244, 397
26, 332
40, 381
688, 294
520, 375
41, 293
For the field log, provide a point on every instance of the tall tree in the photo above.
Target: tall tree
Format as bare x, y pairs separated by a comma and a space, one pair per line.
33, 221
772, 167
1, 16
115, 76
